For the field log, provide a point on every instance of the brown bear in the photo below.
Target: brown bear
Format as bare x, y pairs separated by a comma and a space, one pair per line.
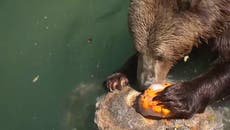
164, 31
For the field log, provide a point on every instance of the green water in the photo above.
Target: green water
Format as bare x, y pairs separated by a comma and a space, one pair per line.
54, 56
47, 49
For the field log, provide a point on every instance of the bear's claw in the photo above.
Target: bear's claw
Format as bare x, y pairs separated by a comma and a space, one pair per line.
116, 81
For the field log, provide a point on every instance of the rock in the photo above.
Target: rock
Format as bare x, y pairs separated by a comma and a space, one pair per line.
115, 111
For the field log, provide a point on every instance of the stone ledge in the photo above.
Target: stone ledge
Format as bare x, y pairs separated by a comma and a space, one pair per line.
114, 111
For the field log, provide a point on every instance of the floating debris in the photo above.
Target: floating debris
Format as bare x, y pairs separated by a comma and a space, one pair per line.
92, 75
98, 65
186, 58
89, 40
35, 44
45, 17
35, 79
47, 27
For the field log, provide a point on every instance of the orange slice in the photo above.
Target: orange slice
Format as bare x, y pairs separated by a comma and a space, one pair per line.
149, 107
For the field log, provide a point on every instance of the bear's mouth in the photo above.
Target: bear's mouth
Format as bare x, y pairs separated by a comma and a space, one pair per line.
151, 71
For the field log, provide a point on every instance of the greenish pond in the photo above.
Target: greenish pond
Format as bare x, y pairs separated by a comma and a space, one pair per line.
54, 56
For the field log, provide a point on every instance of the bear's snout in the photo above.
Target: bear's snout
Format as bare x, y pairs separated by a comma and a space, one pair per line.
151, 71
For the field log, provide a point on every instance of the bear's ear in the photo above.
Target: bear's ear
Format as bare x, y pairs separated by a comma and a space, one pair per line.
187, 4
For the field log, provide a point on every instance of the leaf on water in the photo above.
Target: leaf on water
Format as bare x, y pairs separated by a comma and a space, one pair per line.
35, 79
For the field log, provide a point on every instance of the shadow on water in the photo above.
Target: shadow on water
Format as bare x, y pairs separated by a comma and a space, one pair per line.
79, 114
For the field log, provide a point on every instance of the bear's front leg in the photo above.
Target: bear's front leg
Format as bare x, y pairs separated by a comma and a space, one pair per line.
190, 97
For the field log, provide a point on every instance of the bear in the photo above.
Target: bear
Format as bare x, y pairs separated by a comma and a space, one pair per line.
163, 32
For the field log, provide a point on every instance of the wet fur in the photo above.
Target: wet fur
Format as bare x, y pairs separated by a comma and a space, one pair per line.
167, 30
161, 27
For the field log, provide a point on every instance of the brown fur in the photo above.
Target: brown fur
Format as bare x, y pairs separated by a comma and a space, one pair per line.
161, 26
164, 31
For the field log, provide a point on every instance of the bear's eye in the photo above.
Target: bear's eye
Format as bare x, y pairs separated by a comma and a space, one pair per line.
183, 5
159, 57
